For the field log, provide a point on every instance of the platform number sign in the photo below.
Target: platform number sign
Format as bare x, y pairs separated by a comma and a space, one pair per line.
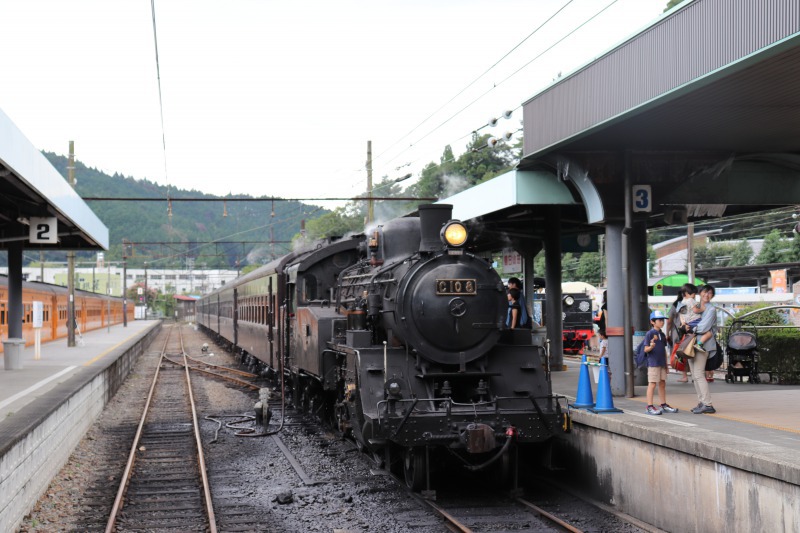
43, 230
642, 199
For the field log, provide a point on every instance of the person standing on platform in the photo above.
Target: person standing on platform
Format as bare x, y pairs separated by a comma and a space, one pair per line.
697, 364
524, 318
655, 346
601, 315
514, 308
674, 330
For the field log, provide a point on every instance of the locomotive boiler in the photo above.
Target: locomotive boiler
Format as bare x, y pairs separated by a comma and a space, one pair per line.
398, 338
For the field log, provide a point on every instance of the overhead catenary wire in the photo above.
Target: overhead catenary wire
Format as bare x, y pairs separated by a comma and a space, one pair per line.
473, 82
160, 99
497, 84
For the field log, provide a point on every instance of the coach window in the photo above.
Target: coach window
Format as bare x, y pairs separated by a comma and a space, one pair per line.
309, 287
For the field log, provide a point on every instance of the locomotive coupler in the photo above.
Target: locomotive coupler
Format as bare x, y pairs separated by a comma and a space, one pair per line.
479, 438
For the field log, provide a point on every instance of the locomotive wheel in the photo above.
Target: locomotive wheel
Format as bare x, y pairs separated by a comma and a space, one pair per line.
414, 468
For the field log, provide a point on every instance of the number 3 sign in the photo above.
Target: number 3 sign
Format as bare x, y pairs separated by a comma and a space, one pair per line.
642, 199
44, 230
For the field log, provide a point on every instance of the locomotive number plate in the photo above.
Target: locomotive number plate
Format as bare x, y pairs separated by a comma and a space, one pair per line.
459, 287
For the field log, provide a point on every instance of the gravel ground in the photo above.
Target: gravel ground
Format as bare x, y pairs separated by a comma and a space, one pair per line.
254, 486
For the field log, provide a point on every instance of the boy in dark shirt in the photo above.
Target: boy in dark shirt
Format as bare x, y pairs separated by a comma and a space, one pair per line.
655, 346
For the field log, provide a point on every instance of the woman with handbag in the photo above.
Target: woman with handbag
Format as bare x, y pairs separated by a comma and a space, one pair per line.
675, 331
697, 364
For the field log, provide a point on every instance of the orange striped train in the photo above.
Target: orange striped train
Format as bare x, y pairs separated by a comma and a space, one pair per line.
92, 311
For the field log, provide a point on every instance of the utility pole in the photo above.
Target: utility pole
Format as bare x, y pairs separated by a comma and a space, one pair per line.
145, 290
124, 291
370, 208
71, 260
690, 252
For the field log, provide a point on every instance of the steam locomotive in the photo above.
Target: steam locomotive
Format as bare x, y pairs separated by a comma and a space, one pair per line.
398, 338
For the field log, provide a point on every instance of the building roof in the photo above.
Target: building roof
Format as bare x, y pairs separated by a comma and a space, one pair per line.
31, 187
711, 75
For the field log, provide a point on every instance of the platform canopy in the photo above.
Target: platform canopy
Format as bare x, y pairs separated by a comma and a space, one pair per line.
33, 195
514, 207
703, 105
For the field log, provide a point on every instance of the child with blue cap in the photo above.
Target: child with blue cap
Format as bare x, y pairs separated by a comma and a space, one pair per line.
655, 346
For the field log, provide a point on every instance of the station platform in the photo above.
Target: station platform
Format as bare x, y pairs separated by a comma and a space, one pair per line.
740, 465
765, 413
48, 404
59, 363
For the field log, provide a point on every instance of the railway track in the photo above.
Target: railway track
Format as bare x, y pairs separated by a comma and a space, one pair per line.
543, 508
164, 485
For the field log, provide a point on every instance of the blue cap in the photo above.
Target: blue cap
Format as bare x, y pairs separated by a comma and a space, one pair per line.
655, 315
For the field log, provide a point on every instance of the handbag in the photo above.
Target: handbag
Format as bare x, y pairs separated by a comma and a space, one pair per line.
686, 348
676, 361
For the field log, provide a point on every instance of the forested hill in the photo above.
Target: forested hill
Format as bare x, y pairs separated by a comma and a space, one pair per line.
191, 223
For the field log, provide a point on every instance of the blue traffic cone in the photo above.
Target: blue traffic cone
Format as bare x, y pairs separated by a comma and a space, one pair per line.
605, 402
584, 398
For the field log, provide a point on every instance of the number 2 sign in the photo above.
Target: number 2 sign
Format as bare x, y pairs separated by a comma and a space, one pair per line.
642, 199
43, 230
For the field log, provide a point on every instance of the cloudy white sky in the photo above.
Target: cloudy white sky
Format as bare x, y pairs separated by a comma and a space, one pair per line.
280, 98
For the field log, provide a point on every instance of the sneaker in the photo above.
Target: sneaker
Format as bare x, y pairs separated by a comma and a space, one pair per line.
700, 409
668, 408
699, 346
652, 410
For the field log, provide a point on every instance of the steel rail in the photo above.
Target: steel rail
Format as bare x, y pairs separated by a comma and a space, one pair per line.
204, 371
207, 500
225, 368
553, 518
123, 486
201, 460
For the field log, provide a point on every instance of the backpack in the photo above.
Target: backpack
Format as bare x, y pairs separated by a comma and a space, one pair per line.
640, 356
714, 361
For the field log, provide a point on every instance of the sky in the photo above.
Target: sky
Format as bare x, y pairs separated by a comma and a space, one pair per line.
280, 98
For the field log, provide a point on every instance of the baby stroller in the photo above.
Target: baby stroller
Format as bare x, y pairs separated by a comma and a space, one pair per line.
742, 349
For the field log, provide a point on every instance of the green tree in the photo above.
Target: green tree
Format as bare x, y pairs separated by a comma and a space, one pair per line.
539, 265
772, 249
589, 268
480, 162
569, 267
770, 317
671, 4
713, 255
794, 248
742, 254
334, 224
703, 257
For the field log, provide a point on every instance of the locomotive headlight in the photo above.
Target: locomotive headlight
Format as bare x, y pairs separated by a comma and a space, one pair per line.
454, 234
569, 300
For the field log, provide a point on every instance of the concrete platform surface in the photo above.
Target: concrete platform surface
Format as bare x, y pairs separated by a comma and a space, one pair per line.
756, 426
58, 363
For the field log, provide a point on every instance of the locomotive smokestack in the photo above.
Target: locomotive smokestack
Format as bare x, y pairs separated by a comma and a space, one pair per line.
431, 219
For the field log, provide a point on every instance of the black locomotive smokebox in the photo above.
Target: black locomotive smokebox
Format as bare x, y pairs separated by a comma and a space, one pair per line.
431, 219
